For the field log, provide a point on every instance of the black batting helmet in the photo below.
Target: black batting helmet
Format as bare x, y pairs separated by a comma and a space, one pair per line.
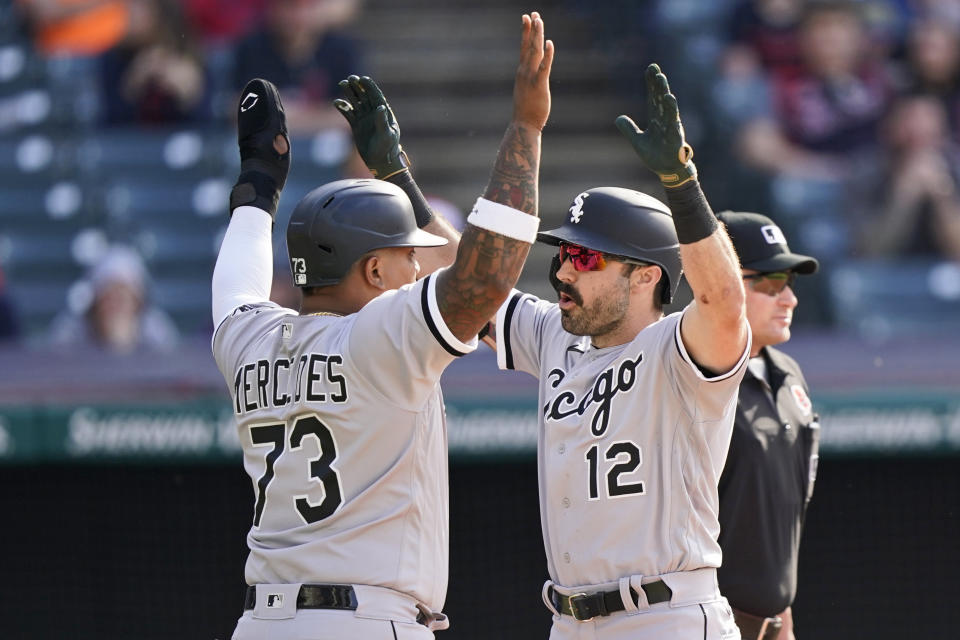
334, 225
624, 223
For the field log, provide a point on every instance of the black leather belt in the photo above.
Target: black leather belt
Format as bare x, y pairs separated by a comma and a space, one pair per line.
586, 606
312, 596
756, 627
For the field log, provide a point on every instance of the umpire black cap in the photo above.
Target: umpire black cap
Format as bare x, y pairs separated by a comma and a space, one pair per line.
761, 245
334, 225
625, 223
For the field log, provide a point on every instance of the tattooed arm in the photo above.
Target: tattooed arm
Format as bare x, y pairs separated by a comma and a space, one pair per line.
488, 264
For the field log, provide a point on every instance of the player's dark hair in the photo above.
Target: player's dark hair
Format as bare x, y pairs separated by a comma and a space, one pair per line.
658, 294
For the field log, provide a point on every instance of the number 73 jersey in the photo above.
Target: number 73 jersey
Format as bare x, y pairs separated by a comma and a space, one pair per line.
632, 440
344, 438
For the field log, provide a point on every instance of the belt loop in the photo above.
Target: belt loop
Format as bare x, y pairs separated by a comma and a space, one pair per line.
636, 582
762, 634
431, 619
547, 600
629, 603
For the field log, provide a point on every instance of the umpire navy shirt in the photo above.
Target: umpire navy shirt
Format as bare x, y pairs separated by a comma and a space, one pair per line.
765, 487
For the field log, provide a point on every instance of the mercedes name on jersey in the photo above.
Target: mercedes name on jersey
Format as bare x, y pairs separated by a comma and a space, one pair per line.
262, 384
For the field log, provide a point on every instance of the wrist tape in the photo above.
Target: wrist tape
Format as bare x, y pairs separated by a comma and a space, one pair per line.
692, 216
504, 220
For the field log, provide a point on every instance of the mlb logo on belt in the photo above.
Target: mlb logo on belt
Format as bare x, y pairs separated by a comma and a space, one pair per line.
274, 600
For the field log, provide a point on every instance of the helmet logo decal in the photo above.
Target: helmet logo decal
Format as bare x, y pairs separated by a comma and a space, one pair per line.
299, 270
773, 235
246, 104
576, 209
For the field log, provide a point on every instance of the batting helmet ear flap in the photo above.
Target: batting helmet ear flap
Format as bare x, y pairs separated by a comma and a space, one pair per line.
554, 268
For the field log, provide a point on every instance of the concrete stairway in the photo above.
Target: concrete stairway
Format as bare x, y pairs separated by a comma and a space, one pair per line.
447, 68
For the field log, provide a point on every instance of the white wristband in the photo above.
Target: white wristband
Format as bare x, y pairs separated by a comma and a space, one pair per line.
504, 220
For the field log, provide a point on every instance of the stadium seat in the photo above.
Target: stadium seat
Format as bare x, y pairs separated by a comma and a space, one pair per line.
883, 299
186, 299
38, 302
166, 152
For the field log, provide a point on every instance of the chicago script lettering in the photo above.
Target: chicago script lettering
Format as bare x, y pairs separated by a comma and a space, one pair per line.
609, 383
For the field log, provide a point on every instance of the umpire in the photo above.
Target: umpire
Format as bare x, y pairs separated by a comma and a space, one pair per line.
772, 464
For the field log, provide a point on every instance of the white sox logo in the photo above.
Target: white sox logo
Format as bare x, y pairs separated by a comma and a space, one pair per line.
608, 384
576, 210
246, 104
299, 270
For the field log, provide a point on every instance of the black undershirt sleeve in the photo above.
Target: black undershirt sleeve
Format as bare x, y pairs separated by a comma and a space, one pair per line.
421, 208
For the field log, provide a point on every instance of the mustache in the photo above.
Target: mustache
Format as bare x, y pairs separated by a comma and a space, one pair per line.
570, 291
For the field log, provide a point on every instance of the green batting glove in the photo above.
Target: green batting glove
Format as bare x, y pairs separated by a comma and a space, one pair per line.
375, 129
662, 146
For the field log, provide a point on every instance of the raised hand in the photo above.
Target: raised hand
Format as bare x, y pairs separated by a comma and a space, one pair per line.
531, 88
264, 147
662, 146
513, 181
375, 129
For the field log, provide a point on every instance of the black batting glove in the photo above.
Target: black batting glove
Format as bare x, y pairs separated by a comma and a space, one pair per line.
662, 146
375, 129
264, 148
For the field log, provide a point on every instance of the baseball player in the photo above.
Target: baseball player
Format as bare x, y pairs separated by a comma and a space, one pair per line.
772, 464
635, 409
338, 407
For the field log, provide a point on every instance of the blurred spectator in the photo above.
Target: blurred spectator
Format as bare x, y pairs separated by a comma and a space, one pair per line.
75, 27
118, 316
825, 119
766, 33
830, 107
933, 64
943, 11
301, 49
217, 22
9, 322
156, 74
907, 203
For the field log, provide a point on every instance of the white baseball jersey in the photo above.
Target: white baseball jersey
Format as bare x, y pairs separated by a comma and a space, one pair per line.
344, 436
632, 440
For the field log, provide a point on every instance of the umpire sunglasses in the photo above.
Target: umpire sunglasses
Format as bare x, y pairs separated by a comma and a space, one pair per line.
584, 259
772, 283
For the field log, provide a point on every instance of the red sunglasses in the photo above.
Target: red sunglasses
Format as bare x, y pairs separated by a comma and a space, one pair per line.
584, 259
581, 258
